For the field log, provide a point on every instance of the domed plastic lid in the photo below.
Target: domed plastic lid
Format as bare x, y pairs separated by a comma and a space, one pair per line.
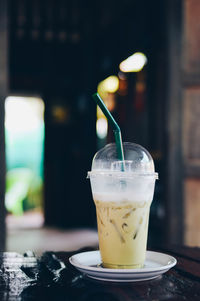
137, 161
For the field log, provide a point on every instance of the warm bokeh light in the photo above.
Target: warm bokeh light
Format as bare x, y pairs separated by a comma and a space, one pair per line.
106, 90
134, 63
111, 84
108, 85
102, 127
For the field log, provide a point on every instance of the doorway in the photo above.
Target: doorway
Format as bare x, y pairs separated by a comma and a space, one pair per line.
24, 141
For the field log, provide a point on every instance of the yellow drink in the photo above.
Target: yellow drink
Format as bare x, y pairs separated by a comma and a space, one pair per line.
122, 230
123, 192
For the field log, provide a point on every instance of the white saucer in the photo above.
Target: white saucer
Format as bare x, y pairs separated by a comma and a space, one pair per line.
155, 265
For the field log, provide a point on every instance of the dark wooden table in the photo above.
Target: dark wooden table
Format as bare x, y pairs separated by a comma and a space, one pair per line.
51, 277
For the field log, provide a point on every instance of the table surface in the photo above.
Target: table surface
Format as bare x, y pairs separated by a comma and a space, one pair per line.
51, 277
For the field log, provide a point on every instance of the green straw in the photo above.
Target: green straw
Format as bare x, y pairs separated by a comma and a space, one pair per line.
114, 125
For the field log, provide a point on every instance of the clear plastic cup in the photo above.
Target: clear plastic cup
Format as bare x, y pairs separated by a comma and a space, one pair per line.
122, 200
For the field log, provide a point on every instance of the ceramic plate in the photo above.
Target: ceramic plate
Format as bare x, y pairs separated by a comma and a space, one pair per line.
89, 263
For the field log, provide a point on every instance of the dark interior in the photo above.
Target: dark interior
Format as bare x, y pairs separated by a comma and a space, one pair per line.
60, 50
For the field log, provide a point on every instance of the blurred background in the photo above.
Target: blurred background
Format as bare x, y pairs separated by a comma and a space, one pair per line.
143, 58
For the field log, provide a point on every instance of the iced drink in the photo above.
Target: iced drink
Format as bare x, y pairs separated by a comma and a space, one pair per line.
122, 230
123, 202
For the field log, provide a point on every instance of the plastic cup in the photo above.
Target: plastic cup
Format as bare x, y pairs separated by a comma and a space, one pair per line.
122, 200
